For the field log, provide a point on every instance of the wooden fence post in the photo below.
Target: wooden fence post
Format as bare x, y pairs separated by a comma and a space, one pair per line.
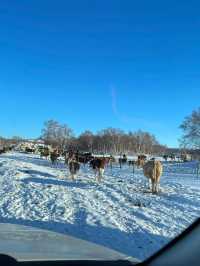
133, 168
198, 168
120, 161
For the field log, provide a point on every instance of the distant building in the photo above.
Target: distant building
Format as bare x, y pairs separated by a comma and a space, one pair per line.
35, 141
40, 141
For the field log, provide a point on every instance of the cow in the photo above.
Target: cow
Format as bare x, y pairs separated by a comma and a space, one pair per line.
66, 160
153, 170
110, 160
123, 160
98, 165
131, 163
74, 167
54, 156
45, 153
172, 157
141, 160
165, 157
80, 157
29, 150
2, 150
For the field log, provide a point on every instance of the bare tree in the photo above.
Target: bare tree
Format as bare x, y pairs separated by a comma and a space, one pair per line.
57, 135
144, 142
115, 141
85, 141
191, 130
106, 141
111, 140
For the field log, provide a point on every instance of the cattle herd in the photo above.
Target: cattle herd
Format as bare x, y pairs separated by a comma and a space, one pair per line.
152, 169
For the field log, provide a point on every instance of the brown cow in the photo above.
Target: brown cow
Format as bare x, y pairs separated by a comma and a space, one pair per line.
45, 153
74, 166
54, 156
141, 160
153, 170
98, 164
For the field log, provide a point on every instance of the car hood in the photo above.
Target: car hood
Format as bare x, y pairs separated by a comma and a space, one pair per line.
26, 243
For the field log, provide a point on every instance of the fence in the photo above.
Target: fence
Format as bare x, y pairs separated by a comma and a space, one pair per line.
188, 168
191, 168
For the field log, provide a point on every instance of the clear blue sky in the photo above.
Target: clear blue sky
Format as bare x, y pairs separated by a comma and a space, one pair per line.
94, 64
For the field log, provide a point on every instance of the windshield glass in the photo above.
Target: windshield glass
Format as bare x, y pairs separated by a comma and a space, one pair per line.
99, 126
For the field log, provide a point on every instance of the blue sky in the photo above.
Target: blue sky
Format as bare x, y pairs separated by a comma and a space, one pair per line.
93, 64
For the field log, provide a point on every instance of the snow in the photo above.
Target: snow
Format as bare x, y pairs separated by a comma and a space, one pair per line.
120, 213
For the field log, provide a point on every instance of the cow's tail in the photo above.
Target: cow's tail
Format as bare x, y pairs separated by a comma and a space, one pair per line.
73, 169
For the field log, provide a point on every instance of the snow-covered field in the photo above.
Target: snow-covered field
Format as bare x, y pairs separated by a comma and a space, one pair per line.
119, 213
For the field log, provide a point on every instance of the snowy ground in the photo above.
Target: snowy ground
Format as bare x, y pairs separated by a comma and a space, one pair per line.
119, 213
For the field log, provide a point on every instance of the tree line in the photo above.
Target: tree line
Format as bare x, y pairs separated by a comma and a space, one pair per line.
114, 140
106, 141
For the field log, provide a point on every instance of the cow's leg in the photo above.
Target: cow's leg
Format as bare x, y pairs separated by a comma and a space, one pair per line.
153, 186
149, 183
100, 176
72, 177
97, 175
95, 172
157, 187
101, 172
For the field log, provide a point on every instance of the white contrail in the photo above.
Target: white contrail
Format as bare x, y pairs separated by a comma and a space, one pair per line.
128, 119
114, 101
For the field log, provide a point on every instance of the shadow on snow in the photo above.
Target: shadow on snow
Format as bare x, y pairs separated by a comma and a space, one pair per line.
37, 161
54, 182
